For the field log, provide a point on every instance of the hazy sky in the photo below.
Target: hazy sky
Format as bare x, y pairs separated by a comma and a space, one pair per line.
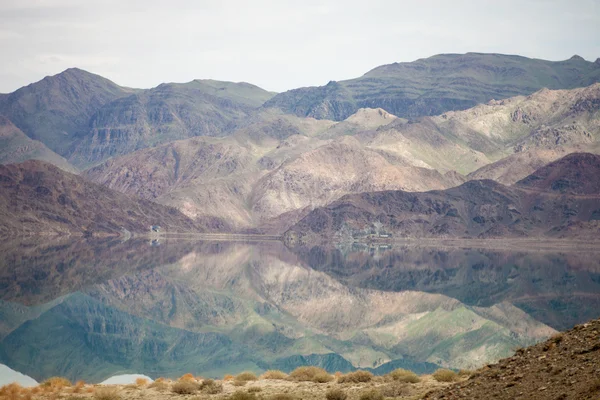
279, 44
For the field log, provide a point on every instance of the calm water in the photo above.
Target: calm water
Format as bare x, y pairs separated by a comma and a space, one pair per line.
93, 309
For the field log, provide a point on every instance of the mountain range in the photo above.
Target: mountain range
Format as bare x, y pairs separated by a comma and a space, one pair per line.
234, 157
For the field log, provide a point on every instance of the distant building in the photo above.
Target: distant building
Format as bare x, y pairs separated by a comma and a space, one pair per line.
155, 228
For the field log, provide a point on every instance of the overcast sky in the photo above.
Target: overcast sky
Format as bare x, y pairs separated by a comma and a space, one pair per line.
278, 44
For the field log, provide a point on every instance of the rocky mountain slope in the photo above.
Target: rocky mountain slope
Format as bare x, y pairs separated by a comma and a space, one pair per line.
168, 112
39, 198
563, 367
269, 167
16, 147
58, 107
476, 209
275, 168
437, 84
87, 118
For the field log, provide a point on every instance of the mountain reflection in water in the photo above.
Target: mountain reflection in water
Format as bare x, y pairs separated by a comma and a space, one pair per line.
90, 309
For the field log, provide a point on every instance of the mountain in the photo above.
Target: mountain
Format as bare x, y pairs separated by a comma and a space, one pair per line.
437, 84
87, 118
576, 174
57, 108
16, 147
476, 209
266, 172
168, 112
37, 197
562, 367
468, 140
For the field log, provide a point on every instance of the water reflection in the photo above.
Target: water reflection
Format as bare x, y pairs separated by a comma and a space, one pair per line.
91, 309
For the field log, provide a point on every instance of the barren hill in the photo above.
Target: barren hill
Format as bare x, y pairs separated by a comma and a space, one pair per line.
37, 197
480, 209
563, 367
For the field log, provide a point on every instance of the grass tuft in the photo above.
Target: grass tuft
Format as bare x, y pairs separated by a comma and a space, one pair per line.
310, 374
239, 395
356, 377
246, 377
274, 374
403, 375
372, 394
336, 394
185, 387
106, 393
445, 375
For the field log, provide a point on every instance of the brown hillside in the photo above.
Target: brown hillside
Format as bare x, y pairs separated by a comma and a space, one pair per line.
567, 366
39, 198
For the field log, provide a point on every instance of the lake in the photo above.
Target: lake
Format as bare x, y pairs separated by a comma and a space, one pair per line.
91, 309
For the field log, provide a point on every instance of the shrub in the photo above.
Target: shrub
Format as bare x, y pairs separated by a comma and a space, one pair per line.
187, 377
239, 383
107, 393
445, 375
56, 382
371, 395
209, 386
322, 377
246, 376
274, 374
254, 389
465, 373
242, 396
336, 394
356, 377
184, 387
403, 375
78, 386
305, 374
159, 385
228, 377
141, 381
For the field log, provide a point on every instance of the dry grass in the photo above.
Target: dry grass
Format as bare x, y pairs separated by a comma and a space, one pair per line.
372, 394
310, 374
185, 387
246, 377
14, 391
242, 396
395, 389
274, 374
403, 375
465, 373
336, 394
56, 382
445, 375
141, 381
107, 393
159, 385
187, 377
78, 387
283, 396
209, 386
356, 377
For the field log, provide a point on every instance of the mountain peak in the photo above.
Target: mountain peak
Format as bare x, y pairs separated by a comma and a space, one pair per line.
576, 58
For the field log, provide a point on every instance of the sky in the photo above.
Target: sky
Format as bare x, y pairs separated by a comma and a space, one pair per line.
277, 45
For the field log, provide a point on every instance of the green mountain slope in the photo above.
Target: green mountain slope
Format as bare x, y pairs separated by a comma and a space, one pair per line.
437, 84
